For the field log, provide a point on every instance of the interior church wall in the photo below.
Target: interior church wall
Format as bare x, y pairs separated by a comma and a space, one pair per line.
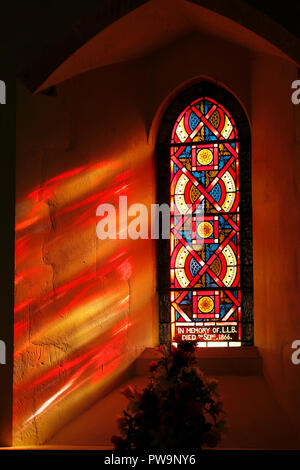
275, 160
86, 308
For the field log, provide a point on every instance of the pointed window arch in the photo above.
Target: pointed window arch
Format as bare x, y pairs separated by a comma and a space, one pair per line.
205, 275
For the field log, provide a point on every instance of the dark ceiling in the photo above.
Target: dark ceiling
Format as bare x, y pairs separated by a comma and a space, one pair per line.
28, 27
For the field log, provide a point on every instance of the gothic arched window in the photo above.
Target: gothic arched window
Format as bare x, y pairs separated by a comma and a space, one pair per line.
204, 171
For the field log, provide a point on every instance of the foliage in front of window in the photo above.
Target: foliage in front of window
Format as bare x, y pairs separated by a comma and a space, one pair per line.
180, 407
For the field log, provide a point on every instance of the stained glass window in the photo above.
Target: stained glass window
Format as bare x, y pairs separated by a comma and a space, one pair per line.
205, 269
204, 240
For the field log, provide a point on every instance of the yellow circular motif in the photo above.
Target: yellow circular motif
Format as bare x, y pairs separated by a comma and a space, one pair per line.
206, 304
205, 229
205, 157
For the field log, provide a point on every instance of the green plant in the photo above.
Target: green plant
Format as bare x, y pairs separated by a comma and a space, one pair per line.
180, 407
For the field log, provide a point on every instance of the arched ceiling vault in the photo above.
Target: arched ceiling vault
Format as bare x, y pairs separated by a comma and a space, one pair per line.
119, 31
